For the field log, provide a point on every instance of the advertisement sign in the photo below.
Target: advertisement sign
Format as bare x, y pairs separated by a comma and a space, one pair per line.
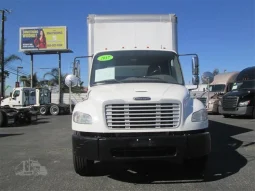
43, 38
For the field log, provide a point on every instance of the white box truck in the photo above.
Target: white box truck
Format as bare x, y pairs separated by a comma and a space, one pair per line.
137, 106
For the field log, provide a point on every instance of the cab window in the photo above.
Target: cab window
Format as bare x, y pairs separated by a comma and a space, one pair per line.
16, 93
32, 93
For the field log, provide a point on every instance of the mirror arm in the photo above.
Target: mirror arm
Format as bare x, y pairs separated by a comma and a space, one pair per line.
80, 57
193, 88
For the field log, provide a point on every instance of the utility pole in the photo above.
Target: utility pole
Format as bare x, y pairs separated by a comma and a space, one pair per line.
2, 52
18, 67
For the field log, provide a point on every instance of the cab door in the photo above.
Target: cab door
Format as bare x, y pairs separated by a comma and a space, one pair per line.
16, 99
26, 97
32, 97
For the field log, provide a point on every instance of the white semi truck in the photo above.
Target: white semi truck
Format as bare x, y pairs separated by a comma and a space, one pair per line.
36, 98
137, 106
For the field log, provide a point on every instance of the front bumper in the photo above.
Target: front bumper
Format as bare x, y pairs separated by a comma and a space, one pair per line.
136, 146
245, 111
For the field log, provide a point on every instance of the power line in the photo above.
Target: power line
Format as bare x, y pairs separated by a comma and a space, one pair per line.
24, 73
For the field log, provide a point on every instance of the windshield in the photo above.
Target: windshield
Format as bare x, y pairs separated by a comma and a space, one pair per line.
249, 84
139, 66
217, 88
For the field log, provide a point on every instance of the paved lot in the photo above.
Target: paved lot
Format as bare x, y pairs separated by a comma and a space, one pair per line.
231, 165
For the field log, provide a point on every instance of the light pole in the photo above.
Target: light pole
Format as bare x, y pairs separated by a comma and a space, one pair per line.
2, 51
18, 67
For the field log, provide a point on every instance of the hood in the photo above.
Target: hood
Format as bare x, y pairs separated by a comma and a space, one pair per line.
241, 92
211, 95
5, 101
127, 92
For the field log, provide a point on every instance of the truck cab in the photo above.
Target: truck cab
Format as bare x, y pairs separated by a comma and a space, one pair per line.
21, 97
241, 100
221, 84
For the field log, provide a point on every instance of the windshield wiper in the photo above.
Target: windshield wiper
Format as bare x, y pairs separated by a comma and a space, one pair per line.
106, 81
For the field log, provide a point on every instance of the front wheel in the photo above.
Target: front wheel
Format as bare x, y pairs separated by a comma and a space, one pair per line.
253, 113
1, 119
82, 166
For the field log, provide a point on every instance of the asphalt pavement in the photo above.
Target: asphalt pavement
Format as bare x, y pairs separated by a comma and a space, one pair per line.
39, 157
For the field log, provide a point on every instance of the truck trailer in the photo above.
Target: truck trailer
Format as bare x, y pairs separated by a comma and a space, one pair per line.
137, 106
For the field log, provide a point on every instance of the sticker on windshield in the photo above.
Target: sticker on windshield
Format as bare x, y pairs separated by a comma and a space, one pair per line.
105, 58
105, 74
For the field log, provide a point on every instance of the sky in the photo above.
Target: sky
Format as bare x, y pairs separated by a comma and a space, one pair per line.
221, 32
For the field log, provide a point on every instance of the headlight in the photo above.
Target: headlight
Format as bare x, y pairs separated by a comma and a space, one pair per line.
82, 118
199, 116
245, 103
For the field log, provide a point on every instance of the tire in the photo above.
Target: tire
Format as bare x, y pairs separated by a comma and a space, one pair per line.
1, 119
227, 116
82, 166
197, 164
43, 110
253, 113
54, 110
28, 119
5, 120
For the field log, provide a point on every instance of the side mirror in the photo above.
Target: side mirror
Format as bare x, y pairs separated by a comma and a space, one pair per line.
195, 80
195, 66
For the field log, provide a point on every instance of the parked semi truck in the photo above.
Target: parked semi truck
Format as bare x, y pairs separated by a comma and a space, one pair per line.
137, 107
221, 84
241, 100
36, 99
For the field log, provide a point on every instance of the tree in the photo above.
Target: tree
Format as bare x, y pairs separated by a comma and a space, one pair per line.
36, 82
7, 60
54, 74
53, 81
216, 71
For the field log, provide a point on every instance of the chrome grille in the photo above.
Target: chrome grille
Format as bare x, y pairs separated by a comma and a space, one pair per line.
202, 99
229, 102
129, 116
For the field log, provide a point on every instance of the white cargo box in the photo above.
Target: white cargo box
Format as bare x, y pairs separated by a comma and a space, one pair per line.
128, 32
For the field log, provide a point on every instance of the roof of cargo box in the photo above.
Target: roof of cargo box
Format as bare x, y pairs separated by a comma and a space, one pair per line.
93, 18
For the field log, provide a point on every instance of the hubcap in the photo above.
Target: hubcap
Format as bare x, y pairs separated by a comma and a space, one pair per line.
43, 110
54, 110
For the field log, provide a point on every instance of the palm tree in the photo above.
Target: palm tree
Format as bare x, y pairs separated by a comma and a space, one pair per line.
54, 74
7, 60
53, 81
36, 82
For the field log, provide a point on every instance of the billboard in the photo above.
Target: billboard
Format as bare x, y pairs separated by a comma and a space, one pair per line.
43, 38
